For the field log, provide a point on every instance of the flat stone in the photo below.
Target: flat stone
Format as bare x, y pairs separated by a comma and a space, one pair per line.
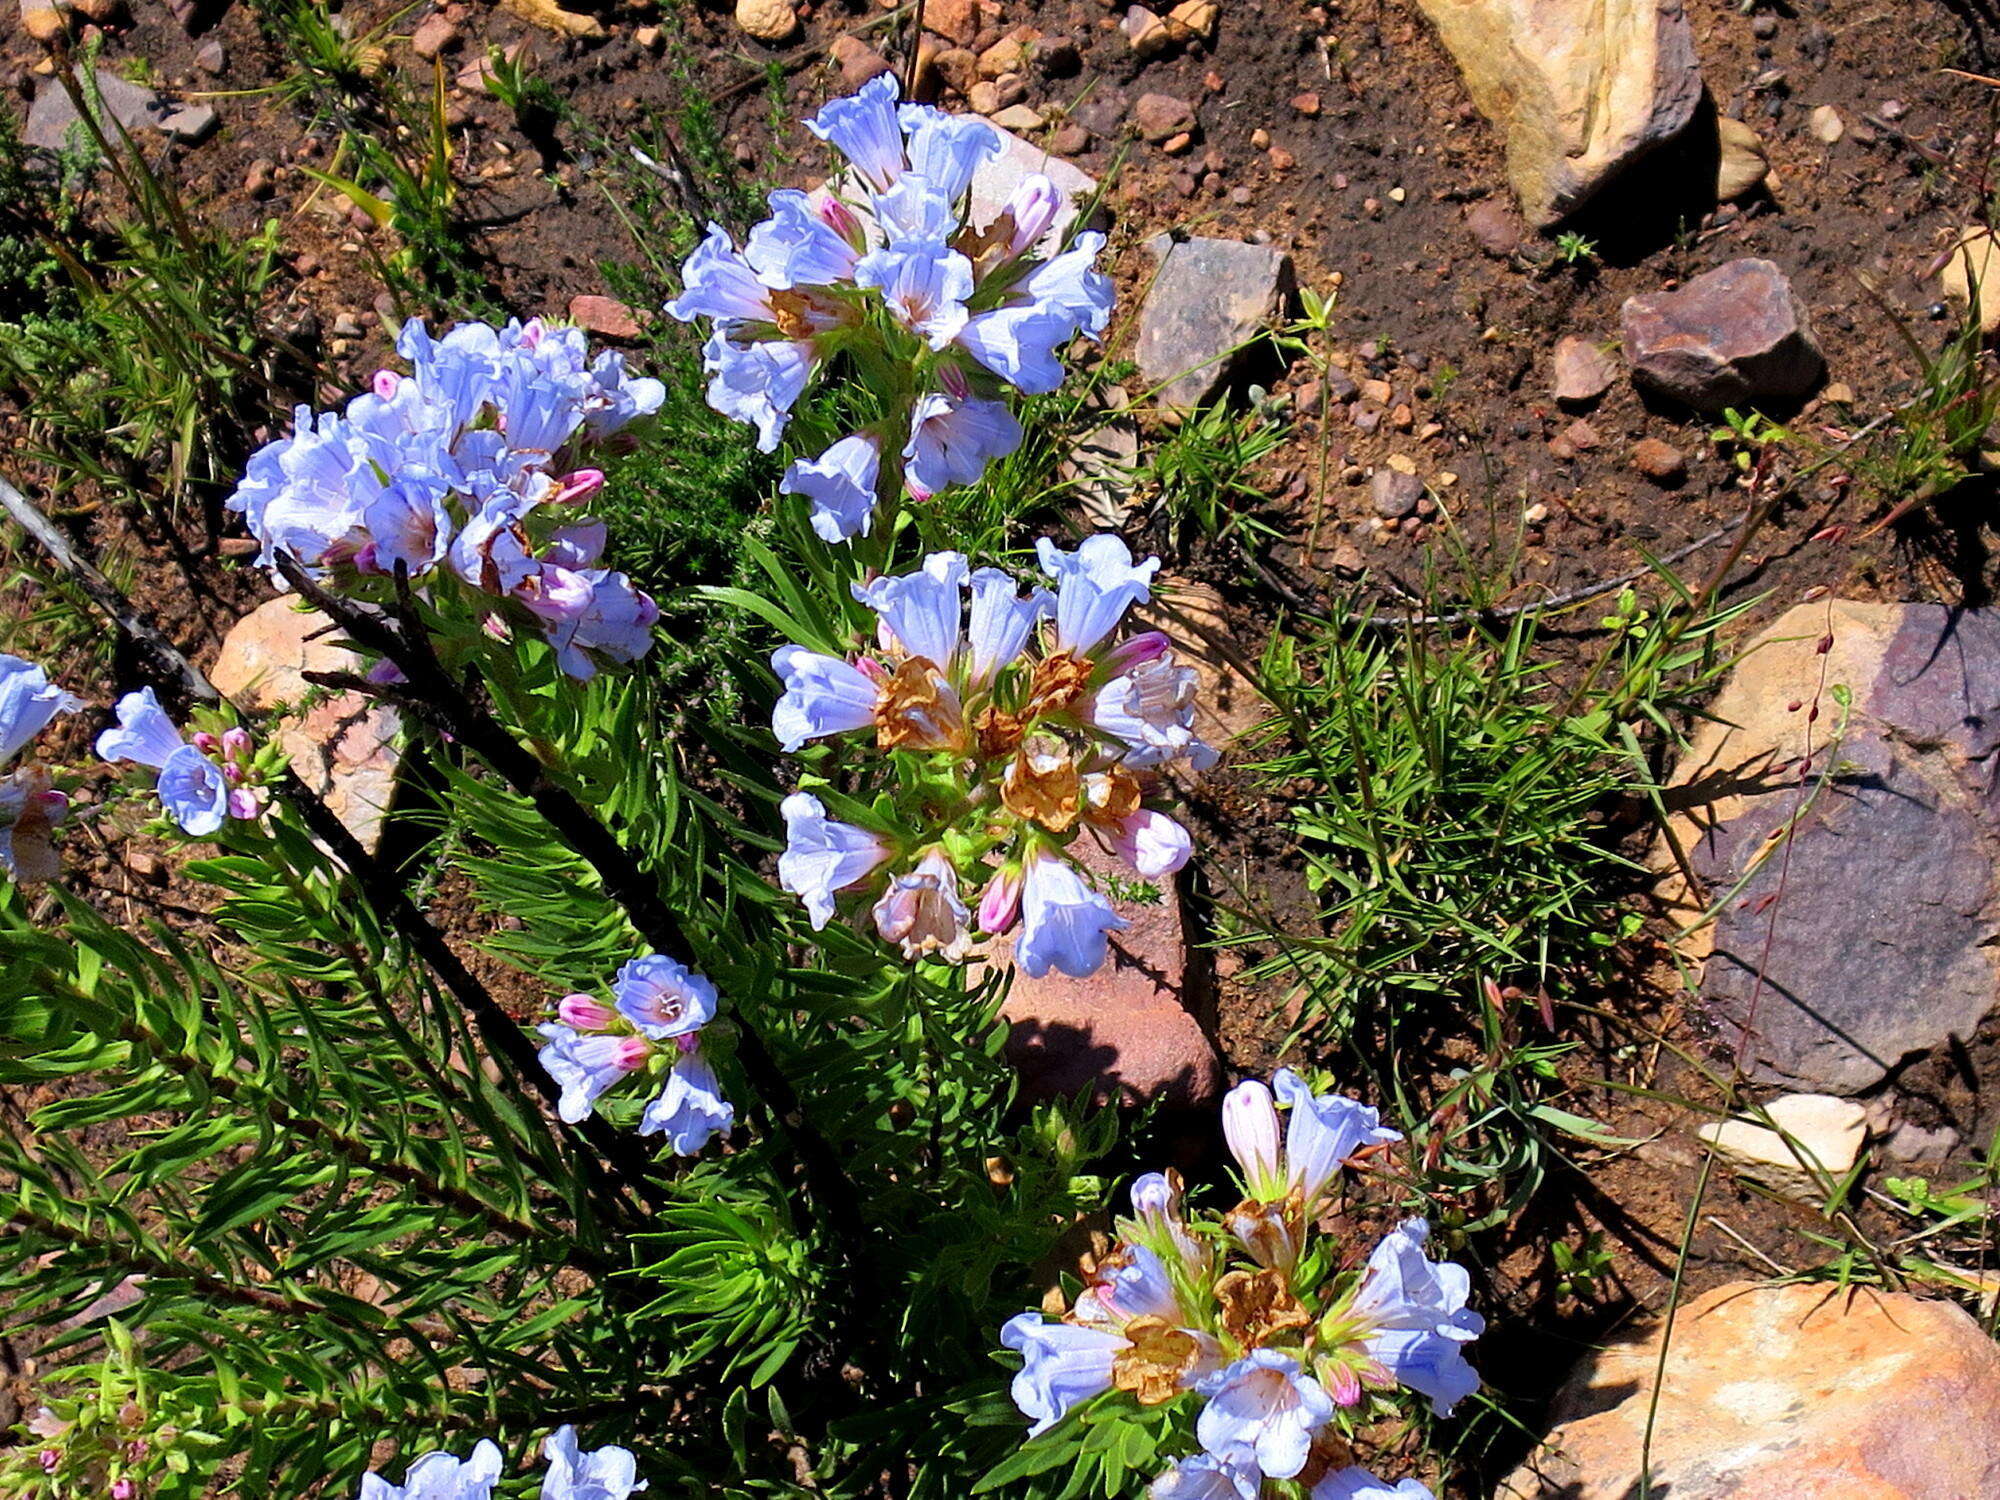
1018, 117
1807, 1133
1147, 34
436, 33
1874, 931
1496, 226
1127, 1032
1157, 117
1209, 298
1583, 370
53, 114
1580, 90
608, 318
1733, 336
1099, 468
1743, 165
1972, 265
190, 124
1797, 1392
1658, 461
342, 745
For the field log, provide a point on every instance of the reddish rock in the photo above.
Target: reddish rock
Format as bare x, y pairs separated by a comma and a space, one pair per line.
1583, 371
1306, 104
957, 21
1800, 1392
1735, 336
434, 34
1126, 1031
958, 67
858, 62
607, 317
1496, 227
1159, 117
1660, 462
343, 746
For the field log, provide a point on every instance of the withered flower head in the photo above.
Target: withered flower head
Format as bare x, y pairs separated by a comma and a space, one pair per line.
1258, 1307
1112, 796
997, 732
1159, 1361
1042, 786
918, 709
1058, 682
1271, 1232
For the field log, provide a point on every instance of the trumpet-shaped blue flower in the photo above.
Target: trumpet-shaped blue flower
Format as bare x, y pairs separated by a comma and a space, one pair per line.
921, 610
690, 1110
592, 614
722, 285
663, 998
1001, 621
607, 1473
1095, 585
1151, 709
923, 284
1203, 1476
1322, 1131
841, 485
799, 245
441, 1476
1020, 345
29, 702
953, 439
865, 130
1262, 1413
1065, 925
408, 525
1356, 1483
823, 695
946, 149
1417, 1323
824, 857
1071, 284
586, 1066
915, 214
1151, 843
1062, 1364
192, 788
757, 384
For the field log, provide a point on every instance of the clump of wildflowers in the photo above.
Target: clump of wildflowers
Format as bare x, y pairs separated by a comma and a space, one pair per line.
203, 780
30, 807
1002, 727
467, 476
937, 316
607, 1473
1260, 1322
652, 1030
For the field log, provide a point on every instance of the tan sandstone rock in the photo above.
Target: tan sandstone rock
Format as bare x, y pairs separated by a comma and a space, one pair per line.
1580, 89
1973, 275
1783, 1393
341, 745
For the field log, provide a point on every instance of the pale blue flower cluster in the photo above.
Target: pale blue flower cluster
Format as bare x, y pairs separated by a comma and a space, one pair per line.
607, 1473
1257, 1317
652, 1027
944, 313
30, 807
202, 781
465, 472
1045, 745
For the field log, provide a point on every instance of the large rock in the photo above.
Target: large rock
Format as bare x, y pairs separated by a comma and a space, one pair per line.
341, 745
1209, 298
1734, 336
1783, 1393
53, 122
1127, 1032
1579, 89
998, 175
1875, 930
1813, 1140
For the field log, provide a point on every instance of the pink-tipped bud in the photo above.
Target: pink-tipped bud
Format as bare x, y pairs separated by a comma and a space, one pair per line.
689, 1041
236, 742
632, 1053
243, 804
123, 1489
1343, 1383
232, 773
843, 221
205, 742
51, 1460
386, 384
575, 488
1034, 206
531, 334
1147, 645
954, 382
1000, 902
585, 1013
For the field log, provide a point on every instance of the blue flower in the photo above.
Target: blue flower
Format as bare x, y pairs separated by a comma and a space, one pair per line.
921, 609
946, 149
757, 383
29, 702
1070, 283
408, 525
1322, 1132
1151, 843
1019, 344
1062, 1364
690, 1110
1355, 1483
823, 695
663, 998
441, 1476
924, 285
593, 614
824, 857
1130, 1283
797, 246
865, 130
841, 484
586, 1066
192, 788
1001, 622
1151, 709
607, 1473
1206, 1477
953, 438
1418, 1323
720, 284
1262, 1413
1064, 923
1095, 585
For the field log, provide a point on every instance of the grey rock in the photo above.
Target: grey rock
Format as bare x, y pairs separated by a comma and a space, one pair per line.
190, 124
209, 56
1583, 371
1496, 226
1394, 494
1734, 336
1209, 298
1100, 468
53, 114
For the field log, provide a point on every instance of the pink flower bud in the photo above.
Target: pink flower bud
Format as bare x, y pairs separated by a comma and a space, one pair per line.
1000, 902
51, 1460
232, 773
1148, 645
386, 383
243, 804
633, 1052
123, 1489
585, 1013
575, 488
236, 741
688, 1041
205, 742
842, 221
